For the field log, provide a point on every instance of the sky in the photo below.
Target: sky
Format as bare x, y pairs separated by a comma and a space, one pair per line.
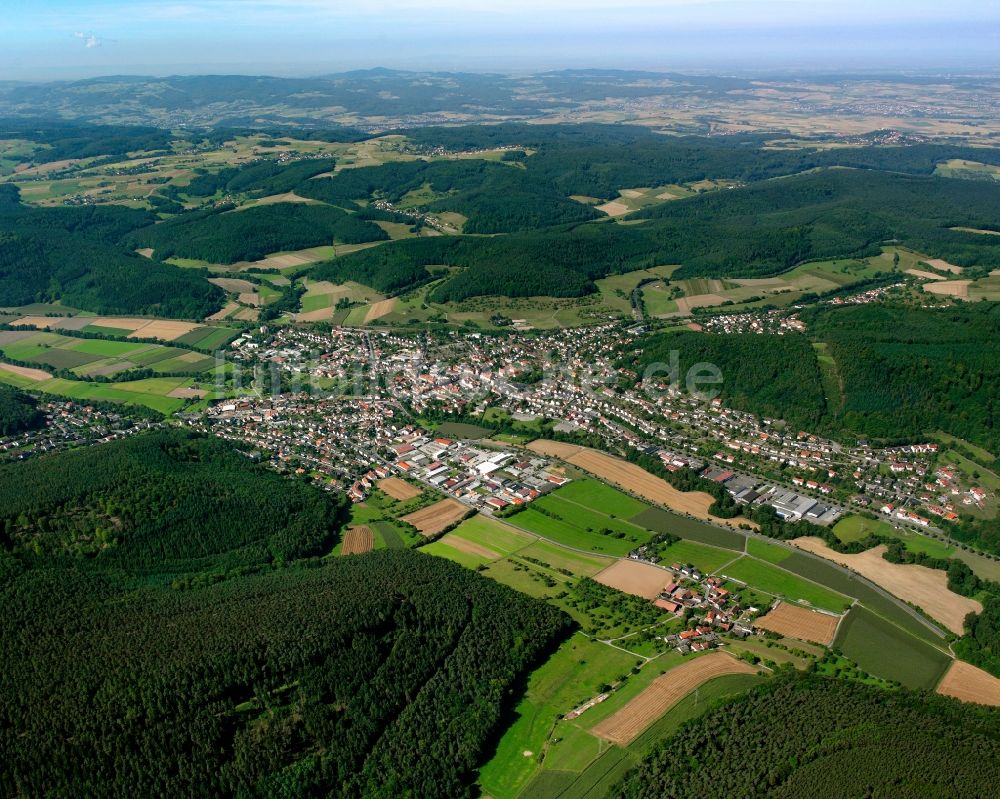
61, 39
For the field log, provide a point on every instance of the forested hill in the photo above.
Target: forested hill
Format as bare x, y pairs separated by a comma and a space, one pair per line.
162, 504
755, 231
807, 736
73, 255
375, 676
901, 372
18, 412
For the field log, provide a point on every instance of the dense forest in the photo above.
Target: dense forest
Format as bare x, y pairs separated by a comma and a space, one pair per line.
72, 255
225, 236
162, 503
381, 675
758, 230
774, 376
18, 412
803, 735
495, 198
257, 179
906, 371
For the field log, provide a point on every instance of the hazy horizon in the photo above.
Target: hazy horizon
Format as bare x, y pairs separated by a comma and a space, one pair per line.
60, 39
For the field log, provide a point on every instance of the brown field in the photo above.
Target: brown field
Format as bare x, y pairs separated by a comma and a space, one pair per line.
614, 208
164, 329
224, 312
145, 252
632, 478
380, 309
24, 371
970, 684
289, 259
41, 322
434, 518
632, 577
686, 304
249, 298
796, 622
925, 275
358, 541
247, 315
950, 288
233, 285
926, 588
663, 693
470, 547
398, 489
944, 266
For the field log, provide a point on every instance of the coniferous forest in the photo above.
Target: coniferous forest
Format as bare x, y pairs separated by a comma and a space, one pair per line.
195, 647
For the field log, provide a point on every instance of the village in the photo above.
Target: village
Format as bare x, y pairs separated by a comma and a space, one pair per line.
364, 383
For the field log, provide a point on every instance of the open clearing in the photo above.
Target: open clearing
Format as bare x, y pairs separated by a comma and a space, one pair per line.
632, 577
357, 541
796, 622
970, 684
632, 478
398, 489
663, 693
435, 518
923, 587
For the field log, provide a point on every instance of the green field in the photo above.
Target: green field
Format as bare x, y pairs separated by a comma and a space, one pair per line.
495, 535
601, 497
574, 674
571, 533
663, 521
764, 550
777, 581
706, 558
855, 528
558, 557
884, 650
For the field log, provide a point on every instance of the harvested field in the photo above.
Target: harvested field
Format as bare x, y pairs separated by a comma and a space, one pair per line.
686, 304
925, 275
796, 622
435, 518
41, 322
315, 316
13, 336
249, 298
632, 577
950, 288
632, 478
398, 489
614, 208
944, 266
926, 588
970, 684
380, 309
24, 371
663, 693
247, 315
470, 547
145, 252
287, 260
224, 312
357, 541
120, 322
164, 329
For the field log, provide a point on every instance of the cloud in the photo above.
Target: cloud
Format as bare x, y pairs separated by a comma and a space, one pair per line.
89, 40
